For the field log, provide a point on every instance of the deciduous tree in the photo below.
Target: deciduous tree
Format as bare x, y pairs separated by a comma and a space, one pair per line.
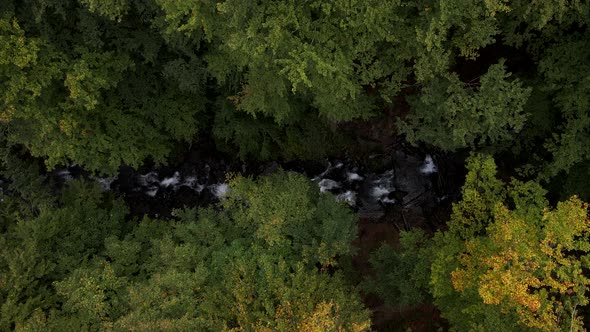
507, 261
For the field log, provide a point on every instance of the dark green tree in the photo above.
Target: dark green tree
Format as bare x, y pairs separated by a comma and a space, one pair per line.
266, 259
451, 115
313, 65
83, 82
400, 275
36, 252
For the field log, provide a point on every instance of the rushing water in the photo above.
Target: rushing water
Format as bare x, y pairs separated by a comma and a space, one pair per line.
408, 182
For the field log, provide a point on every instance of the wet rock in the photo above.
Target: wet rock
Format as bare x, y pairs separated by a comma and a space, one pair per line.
327, 185
412, 180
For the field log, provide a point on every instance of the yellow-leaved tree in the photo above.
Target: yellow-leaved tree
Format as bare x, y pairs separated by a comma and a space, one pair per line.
509, 261
519, 255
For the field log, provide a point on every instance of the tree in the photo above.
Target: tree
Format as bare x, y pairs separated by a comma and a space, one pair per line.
266, 259
47, 248
80, 87
260, 138
530, 268
507, 261
522, 258
451, 115
564, 67
400, 275
297, 65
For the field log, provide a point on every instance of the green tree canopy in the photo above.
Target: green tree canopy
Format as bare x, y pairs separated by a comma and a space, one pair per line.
92, 82
82, 87
266, 259
451, 115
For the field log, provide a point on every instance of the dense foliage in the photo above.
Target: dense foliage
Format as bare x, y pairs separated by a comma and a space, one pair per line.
92, 81
110, 83
255, 263
507, 261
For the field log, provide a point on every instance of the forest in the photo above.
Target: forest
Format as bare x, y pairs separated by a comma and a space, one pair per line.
312, 165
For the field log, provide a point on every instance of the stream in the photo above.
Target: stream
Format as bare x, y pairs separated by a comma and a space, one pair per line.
408, 181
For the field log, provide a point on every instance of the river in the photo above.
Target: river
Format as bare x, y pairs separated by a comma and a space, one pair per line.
404, 180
